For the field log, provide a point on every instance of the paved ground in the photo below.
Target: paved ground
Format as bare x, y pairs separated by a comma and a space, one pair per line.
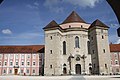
117, 77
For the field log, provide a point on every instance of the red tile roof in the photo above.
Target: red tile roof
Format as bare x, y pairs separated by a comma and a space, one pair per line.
73, 17
22, 49
114, 47
98, 23
52, 24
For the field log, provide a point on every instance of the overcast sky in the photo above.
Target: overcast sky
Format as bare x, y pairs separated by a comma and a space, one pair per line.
21, 21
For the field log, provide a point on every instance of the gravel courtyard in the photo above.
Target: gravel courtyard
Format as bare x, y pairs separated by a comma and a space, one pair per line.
117, 77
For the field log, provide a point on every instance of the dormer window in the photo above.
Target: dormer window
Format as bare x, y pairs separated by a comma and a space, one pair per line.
69, 26
81, 26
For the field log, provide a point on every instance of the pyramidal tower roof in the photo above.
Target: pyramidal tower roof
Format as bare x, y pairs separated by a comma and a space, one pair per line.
52, 24
73, 17
98, 23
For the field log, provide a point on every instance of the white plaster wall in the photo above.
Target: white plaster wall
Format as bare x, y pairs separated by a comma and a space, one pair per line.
57, 59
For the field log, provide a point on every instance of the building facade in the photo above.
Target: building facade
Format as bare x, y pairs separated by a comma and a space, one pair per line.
21, 60
76, 47
115, 58
72, 47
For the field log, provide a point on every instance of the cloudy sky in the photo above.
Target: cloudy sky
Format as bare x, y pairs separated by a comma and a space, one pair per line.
21, 21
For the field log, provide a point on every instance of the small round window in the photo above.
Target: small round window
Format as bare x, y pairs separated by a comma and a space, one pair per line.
77, 58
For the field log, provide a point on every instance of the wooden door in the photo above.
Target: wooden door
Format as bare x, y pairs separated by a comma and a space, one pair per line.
16, 71
78, 69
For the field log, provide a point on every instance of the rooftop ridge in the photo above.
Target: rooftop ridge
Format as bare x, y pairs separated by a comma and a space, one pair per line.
97, 22
73, 17
52, 24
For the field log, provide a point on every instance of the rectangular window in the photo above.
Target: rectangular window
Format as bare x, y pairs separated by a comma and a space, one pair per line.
0, 63
33, 71
91, 38
16, 63
33, 63
5, 63
11, 56
16, 56
106, 66
10, 71
6, 56
11, 63
0, 56
116, 62
115, 55
93, 51
51, 37
117, 70
64, 48
28, 63
34, 56
90, 64
101, 30
102, 37
22, 56
21, 71
94, 65
22, 63
4, 71
104, 50
27, 70
28, 56
51, 66
50, 51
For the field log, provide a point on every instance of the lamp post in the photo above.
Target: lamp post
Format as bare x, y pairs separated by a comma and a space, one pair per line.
69, 60
83, 57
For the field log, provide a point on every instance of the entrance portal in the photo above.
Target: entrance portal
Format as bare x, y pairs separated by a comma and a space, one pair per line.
90, 70
64, 71
78, 69
15, 71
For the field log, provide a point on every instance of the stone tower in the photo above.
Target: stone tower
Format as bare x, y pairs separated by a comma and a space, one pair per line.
52, 49
99, 48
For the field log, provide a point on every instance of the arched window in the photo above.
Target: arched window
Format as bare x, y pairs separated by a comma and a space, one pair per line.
106, 66
64, 64
88, 45
77, 42
64, 47
64, 70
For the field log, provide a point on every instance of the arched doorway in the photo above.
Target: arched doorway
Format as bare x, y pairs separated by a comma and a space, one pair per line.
64, 70
15, 71
78, 69
90, 70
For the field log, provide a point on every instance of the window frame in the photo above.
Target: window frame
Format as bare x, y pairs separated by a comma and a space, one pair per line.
51, 66
77, 45
64, 47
